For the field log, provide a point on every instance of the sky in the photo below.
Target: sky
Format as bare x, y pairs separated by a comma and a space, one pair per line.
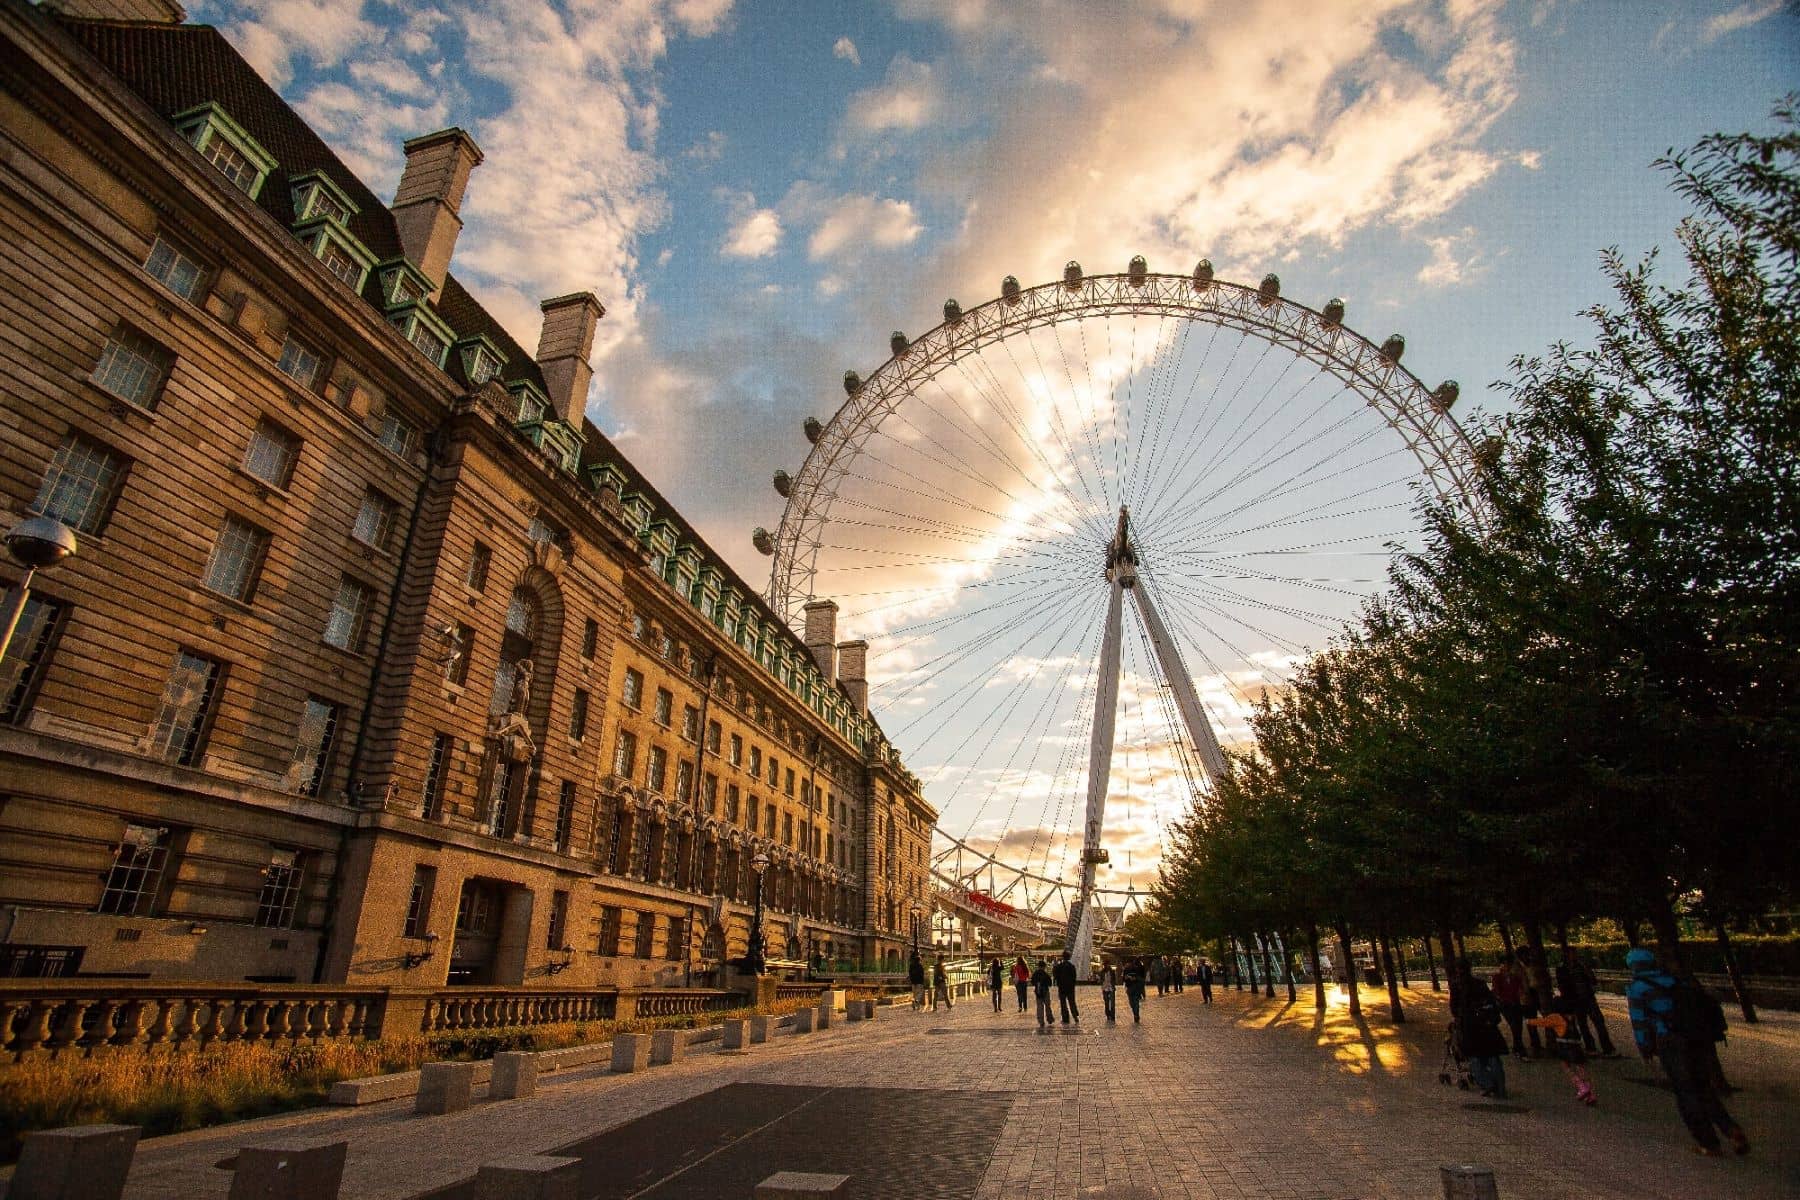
760, 193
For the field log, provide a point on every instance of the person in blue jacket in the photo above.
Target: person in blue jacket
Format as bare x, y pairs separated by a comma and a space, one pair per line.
1676, 1033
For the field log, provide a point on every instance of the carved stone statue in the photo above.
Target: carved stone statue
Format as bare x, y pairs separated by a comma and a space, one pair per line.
521, 693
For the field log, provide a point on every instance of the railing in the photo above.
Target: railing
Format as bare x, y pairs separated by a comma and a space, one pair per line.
681, 1002
800, 991
500, 1008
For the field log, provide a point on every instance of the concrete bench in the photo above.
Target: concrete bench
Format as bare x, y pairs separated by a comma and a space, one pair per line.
630, 1052
735, 1034
528, 1177
289, 1170
802, 1185
81, 1162
667, 1046
444, 1087
570, 1057
376, 1088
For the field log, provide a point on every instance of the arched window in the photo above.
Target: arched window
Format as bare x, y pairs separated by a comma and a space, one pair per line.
522, 613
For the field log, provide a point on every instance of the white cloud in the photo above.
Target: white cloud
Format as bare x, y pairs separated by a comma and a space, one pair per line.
710, 147
853, 224
755, 235
845, 49
908, 98
1741, 17
1531, 160
1453, 260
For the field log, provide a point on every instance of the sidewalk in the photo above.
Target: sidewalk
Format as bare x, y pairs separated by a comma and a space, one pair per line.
1248, 1098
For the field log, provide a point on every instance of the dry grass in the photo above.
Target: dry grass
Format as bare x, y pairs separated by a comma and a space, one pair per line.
174, 1089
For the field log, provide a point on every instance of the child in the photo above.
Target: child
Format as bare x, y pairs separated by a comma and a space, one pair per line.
1563, 1030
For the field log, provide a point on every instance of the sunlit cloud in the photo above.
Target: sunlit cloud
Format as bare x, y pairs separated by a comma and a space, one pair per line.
845, 49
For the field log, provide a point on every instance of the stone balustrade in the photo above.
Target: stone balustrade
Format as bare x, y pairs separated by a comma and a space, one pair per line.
458, 1009
682, 1002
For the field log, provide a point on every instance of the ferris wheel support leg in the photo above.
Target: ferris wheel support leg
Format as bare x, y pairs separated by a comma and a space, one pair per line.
1187, 701
1079, 939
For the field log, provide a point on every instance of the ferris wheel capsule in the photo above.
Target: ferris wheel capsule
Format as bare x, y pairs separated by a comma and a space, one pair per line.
1009, 289
813, 429
1446, 394
759, 537
898, 343
1072, 275
1203, 274
852, 383
1137, 271
1393, 348
784, 484
1270, 289
952, 311
1334, 312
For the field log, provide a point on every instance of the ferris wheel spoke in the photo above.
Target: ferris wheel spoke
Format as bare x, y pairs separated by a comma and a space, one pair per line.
954, 655
1144, 470
1053, 420
1204, 532
1181, 598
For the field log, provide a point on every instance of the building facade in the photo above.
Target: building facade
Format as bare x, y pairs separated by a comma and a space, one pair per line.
378, 662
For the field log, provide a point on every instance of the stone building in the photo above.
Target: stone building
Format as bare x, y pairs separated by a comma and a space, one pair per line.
378, 662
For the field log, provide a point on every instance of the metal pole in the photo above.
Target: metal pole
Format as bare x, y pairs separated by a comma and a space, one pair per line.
14, 609
1079, 937
753, 953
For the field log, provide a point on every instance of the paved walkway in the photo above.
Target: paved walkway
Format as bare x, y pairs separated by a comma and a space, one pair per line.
1248, 1098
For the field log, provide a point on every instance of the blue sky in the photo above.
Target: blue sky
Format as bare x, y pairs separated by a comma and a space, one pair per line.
760, 192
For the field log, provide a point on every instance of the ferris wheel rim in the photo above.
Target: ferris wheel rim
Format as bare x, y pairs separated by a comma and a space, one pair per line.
1435, 438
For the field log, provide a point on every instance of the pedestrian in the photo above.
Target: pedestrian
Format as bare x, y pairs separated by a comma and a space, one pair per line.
1159, 974
1176, 971
1475, 1017
1677, 1023
1021, 976
1064, 975
940, 985
1575, 979
1040, 984
995, 981
1109, 981
1508, 984
1563, 1033
1205, 974
915, 975
1133, 979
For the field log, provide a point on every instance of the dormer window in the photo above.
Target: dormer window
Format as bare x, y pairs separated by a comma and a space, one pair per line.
402, 283
317, 198
481, 359
226, 145
342, 255
320, 212
425, 330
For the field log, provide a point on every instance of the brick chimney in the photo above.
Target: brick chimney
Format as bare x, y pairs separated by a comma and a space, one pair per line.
429, 196
821, 636
563, 348
853, 672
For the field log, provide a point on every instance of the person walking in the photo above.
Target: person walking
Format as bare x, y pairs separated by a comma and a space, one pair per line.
915, 975
995, 981
1109, 982
1176, 971
1477, 1019
1563, 1030
1508, 986
1021, 977
1205, 976
1040, 984
940, 985
1675, 1022
1134, 987
1575, 980
1159, 974
1064, 975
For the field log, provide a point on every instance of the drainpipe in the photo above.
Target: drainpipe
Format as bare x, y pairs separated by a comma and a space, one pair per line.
352, 785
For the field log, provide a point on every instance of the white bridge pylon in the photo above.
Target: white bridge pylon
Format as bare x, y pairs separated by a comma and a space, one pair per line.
1122, 578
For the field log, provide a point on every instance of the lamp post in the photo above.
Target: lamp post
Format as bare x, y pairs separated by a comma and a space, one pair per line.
34, 542
753, 953
918, 914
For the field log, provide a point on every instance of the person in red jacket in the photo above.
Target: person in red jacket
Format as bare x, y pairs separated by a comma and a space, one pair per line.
1509, 987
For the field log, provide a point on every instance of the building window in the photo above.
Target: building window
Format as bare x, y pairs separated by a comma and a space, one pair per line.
712, 795
374, 520
559, 919
237, 555
418, 904
234, 164
625, 754
312, 748
787, 829
399, 436
480, 558
590, 638
174, 270
340, 262
690, 723
731, 803
280, 898
608, 943
658, 771
531, 408
132, 367
437, 770
751, 810
225, 144
633, 692
456, 668
187, 702
299, 362
737, 750
272, 453
774, 771
667, 647
349, 613
646, 934
578, 715
713, 734
428, 334
565, 814
28, 655
80, 484
640, 627
769, 819
684, 780
316, 198
522, 613
676, 946
787, 783
134, 880
665, 707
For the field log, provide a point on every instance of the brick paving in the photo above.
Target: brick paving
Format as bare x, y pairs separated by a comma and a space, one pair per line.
1250, 1098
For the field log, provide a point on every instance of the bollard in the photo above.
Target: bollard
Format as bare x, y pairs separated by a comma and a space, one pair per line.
801, 1185
631, 1052
823, 1020
81, 1162
1468, 1182
868, 1009
803, 1019
759, 1029
515, 1076
853, 1011
667, 1046
528, 1177
297, 1170
444, 1087
734, 1034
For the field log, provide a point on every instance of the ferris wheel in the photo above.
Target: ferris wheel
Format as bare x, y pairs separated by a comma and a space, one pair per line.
1084, 527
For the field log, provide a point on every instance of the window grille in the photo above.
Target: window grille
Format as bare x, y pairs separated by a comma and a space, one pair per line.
312, 749
500, 797
186, 703
565, 814
479, 559
398, 436
131, 367
578, 715
437, 769
676, 946
658, 773
280, 898
633, 691
418, 904
522, 613
79, 484
28, 655
625, 755
339, 262
665, 707
232, 163
349, 612
608, 943
646, 934
559, 917
174, 270
135, 877
690, 723
456, 670
684, 780
590, 638
272, 453
374, 520
299, 362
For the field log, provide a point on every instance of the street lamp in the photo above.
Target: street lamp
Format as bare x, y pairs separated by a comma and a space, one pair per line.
34, 542
753, 954
918, 914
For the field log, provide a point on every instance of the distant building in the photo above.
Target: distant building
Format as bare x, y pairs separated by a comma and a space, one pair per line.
378, 662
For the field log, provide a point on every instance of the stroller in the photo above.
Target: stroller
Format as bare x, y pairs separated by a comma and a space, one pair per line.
1455, 1068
